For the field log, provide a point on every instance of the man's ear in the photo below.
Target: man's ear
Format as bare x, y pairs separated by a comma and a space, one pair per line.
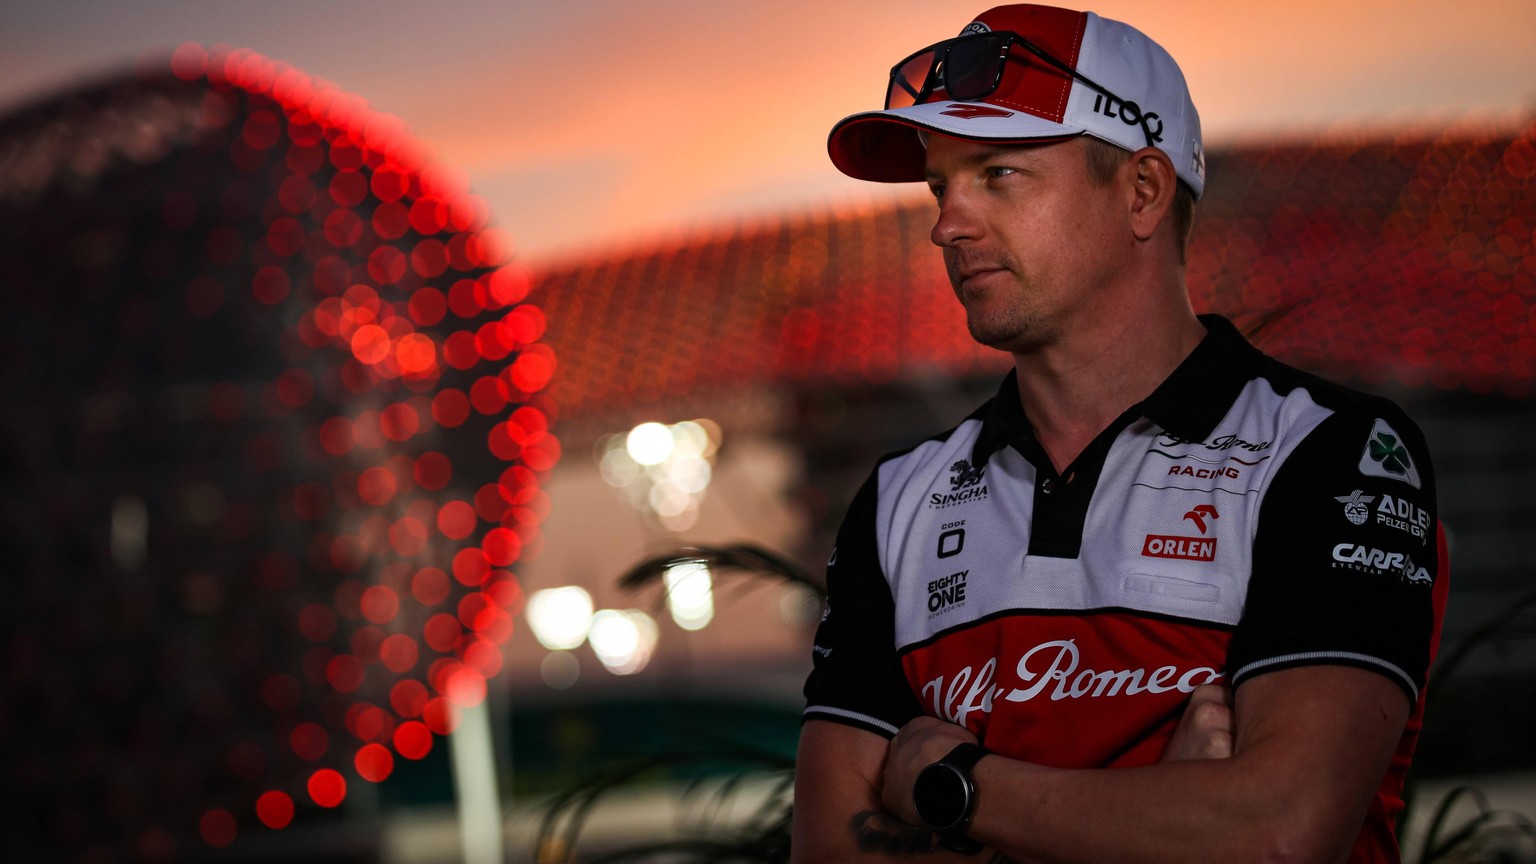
1155, 187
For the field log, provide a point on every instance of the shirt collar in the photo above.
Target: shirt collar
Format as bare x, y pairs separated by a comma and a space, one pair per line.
1189, 403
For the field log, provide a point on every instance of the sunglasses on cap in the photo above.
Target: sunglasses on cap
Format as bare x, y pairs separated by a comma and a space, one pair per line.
970, 68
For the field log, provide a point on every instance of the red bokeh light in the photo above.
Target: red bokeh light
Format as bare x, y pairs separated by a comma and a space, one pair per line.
413, 739
400, 421
465, 687
370, 344
501, 547
398, 653
408, 697
365, 644
217, 827
345, 673
376, 486
432, 471
408, 536
430, 586
309, 741
337, 436
368, 722
317, 622
327, 787
374, 763
471, 567
441, 632
450, 408
274, 809
483, 656
352, 220
456, 520
380, 604
440, 715
189, 61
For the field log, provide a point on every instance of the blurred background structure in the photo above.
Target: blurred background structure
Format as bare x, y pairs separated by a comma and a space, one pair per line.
299, 571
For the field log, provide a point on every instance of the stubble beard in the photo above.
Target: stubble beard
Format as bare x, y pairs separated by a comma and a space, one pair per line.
1016, 326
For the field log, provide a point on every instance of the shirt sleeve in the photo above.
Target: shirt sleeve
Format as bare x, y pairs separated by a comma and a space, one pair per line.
1346, 554
856, 678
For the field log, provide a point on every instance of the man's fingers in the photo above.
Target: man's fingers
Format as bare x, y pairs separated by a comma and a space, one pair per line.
1205, 730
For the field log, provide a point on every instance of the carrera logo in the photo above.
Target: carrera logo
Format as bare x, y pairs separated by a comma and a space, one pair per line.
1381, 563
1183, 548
973, 110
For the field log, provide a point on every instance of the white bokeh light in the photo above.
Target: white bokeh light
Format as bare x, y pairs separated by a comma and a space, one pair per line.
690, 595
649, 443
560, 617
623, 639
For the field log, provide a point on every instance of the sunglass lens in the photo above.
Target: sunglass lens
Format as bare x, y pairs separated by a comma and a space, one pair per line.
907, 80
971, 69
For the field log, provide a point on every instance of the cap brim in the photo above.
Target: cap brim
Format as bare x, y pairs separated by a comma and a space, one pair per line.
883, 146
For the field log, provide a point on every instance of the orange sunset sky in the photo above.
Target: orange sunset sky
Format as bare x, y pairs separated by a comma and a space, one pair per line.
594, 125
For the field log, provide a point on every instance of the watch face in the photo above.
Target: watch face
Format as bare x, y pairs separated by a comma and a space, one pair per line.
941, 796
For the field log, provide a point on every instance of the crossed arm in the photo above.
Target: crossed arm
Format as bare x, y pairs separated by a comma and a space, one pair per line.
1309, 747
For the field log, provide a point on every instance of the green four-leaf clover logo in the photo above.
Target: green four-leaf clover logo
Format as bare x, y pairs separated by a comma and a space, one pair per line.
1392, 455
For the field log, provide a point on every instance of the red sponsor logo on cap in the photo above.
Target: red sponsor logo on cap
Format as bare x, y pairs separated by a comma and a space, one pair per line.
1185, 548
973, 110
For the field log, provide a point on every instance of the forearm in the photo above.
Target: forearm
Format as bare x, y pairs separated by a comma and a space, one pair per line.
1197, 811
1311, 747
838, 814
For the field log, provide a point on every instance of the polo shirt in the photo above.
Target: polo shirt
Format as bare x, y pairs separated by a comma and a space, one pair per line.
1245, 517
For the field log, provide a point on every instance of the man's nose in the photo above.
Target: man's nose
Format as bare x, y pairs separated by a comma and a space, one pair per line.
956, 222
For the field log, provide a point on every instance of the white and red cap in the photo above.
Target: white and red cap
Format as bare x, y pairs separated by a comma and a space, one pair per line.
1036, 101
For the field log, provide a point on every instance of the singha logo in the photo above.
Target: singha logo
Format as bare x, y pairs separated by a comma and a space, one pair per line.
965, 475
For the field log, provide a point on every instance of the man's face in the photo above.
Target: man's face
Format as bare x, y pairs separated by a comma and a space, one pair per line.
1028, 237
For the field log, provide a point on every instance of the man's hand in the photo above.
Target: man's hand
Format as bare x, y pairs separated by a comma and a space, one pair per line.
920, 743
1205, 730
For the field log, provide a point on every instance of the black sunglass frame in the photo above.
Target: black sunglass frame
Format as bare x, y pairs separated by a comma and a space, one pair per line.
1129, 111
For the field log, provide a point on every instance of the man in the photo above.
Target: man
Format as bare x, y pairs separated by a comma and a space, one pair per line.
1021, 608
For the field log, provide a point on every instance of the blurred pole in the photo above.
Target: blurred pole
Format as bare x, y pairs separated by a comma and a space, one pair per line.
474, 785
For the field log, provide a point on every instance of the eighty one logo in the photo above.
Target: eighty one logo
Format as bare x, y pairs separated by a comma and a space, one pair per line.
1050, 670
1380, 562
946, 593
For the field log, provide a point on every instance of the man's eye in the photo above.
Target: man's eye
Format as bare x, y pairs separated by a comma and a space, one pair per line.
996, 171
937, 191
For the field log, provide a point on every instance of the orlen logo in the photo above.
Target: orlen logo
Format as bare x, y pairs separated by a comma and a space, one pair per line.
1051, 669
1185, 548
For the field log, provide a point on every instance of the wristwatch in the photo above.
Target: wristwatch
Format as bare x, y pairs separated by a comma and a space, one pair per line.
945, 796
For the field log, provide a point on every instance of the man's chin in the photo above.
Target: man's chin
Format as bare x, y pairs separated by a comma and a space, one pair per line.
1015, 340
